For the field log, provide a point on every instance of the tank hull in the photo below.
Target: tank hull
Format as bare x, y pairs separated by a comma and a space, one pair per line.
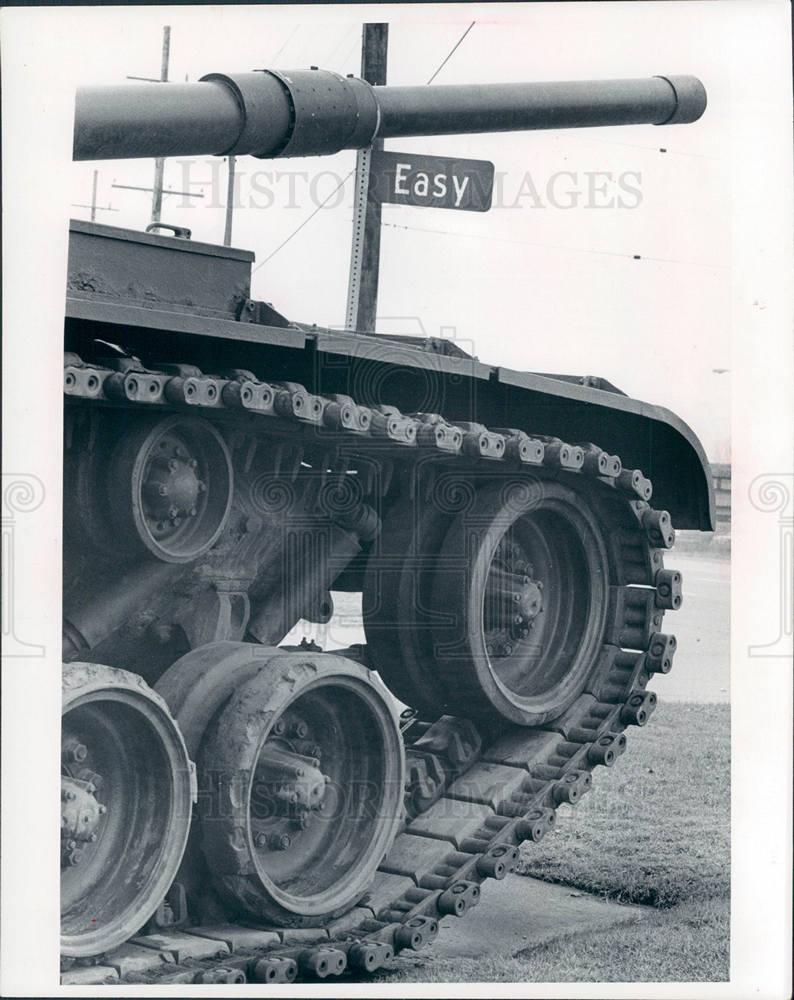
162, 298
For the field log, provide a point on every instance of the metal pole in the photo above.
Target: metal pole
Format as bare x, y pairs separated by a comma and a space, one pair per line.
159, 163
227, 234
93, 197
362, 296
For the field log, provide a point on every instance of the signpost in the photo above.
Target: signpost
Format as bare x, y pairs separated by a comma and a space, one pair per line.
362, 291
399, 179
431, 181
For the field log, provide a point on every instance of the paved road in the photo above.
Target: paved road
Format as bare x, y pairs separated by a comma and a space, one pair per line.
701, 668
521, 912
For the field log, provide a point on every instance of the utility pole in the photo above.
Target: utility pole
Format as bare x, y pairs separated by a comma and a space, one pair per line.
93, 196
227, 233
93, 206
159, 163
362, 295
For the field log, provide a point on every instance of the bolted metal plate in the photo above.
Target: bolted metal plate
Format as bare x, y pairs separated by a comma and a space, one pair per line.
236, 936
513, 749
182, 946
385, 888
133, 958
490, 784
348, 921
93, 975
454, 819
414, 856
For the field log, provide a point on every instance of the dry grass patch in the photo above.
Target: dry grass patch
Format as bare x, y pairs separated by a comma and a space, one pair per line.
655, 830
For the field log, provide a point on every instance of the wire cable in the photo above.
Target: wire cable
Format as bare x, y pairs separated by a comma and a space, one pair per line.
555, 246
306, 221
635, 145
292, 34
344, 180
451, 52
342, 40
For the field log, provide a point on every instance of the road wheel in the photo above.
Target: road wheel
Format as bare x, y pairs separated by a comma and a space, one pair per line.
126, 799
523, 584
306, 774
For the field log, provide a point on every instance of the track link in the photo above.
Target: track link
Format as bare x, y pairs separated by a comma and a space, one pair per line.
471, 802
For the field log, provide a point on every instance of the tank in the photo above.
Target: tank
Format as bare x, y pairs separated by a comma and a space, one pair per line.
233, 809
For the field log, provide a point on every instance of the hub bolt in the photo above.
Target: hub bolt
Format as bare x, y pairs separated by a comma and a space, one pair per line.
261, 840
162, 489
299, 729
280, 841
75, 752
102, 809
173, 512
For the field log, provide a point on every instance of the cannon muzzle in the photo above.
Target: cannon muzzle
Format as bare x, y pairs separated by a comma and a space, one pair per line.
269, 114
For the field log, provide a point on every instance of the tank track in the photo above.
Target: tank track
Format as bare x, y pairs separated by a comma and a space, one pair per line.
471, 802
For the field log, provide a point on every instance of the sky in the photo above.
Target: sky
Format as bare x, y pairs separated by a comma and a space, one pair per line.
544, 281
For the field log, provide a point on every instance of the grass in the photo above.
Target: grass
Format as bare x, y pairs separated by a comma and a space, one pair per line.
655, 831
688, 943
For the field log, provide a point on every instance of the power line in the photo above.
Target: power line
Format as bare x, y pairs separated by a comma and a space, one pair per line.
554, 246
451, 52
636, 145
184, 194
308, 219
344, 180
348, 54
342, 40
286, 43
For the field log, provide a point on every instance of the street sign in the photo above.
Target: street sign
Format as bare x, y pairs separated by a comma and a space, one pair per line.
431, 181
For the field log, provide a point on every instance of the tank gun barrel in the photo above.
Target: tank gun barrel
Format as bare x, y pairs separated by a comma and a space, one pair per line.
271, 114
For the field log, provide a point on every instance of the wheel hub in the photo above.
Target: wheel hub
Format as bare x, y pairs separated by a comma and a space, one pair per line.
289, 785
171, 486
513, 599
81, 815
